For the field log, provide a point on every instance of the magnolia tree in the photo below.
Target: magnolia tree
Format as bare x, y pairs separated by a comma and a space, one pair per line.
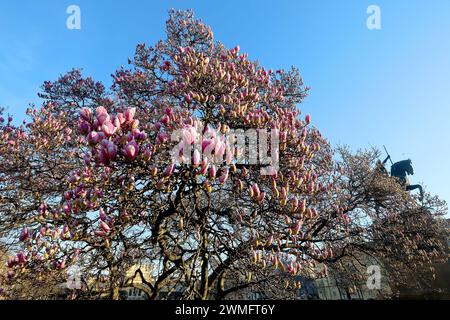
198, 163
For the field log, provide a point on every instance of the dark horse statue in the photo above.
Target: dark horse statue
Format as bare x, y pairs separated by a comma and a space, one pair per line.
401, 170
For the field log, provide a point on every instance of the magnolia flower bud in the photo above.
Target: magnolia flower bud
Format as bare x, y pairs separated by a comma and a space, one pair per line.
297, 226
302, 207
147, 154
20, 257
105, 227
284, 192
65, 229
169, 170
162, 137
87, 159
196, 157
100, 233
67, 195
240, 185
93, 137
224, 176
67, 208
261, 197
204, 167
102, 214
11, 262
250, 192
311, 186
24, 235
346, 218
308, 119
294, 203
255, 190
212, 171
165, 120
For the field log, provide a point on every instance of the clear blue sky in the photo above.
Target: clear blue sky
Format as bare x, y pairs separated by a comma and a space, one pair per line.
369, 88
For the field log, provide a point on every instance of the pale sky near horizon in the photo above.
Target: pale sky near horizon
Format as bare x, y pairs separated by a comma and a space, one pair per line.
368, 87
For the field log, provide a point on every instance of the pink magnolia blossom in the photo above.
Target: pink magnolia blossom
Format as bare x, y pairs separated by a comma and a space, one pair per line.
207, 143
84, 127
95, 137
162, 137
219, 150
101, 115
108, 128
120, 118
131, 150
86, 114
129, 114
109, 150
189, 135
